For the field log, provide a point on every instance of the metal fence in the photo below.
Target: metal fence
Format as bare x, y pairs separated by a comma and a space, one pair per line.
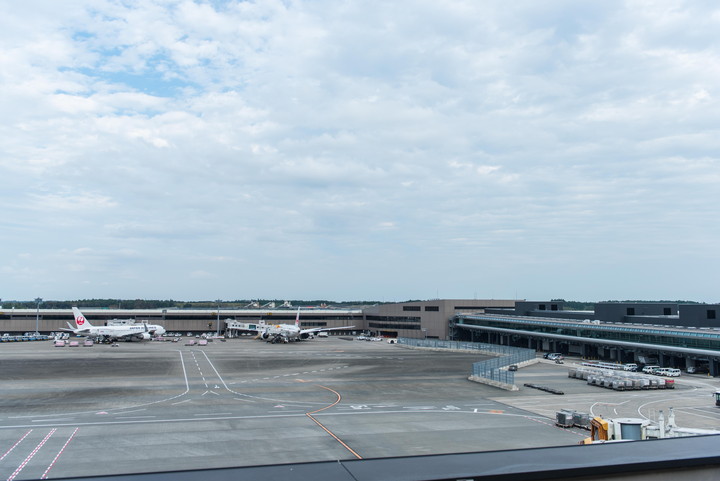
488, 369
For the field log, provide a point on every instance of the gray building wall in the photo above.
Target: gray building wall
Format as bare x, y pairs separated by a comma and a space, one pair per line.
700, 315
656, 313
525, 308
620, 311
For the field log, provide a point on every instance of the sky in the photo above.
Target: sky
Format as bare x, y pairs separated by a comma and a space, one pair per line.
348, 150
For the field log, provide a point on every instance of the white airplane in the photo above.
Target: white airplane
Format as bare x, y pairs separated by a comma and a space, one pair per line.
130, 332
292, 332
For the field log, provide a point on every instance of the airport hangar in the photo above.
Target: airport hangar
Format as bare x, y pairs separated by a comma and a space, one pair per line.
671, 334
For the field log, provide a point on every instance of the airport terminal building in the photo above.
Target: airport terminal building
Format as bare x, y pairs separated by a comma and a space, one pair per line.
669, 334
415, 319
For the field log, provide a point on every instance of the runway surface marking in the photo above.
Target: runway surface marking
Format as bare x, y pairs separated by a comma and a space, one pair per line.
122, 410
310, 415
282, 414
52, 463
652, 402
269, 378
31, 455
702, 410
582, 435
15, 445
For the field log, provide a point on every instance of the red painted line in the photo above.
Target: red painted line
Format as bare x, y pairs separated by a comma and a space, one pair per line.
31, 455
44, 475
15, 445
310, 415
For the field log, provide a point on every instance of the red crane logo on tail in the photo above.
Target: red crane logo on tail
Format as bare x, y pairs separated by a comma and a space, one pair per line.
80, 320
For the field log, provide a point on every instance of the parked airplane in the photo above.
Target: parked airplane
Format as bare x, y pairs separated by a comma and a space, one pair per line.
130, 332
292, 332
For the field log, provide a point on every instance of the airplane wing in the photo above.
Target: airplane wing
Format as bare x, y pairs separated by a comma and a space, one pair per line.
319, 329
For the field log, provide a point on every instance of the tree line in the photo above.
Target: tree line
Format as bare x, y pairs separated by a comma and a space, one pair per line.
172, 304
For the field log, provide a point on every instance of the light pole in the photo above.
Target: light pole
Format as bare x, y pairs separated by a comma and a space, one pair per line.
217, 328
38, 300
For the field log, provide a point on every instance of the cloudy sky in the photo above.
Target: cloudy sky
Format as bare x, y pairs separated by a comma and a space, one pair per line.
360, 150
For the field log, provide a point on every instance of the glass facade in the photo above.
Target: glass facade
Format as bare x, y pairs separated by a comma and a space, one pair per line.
691, 338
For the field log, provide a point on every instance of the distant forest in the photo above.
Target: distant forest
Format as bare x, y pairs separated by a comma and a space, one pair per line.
590, 306
239, 304
171, 304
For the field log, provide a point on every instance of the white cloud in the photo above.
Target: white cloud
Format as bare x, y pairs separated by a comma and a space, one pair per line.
147, 141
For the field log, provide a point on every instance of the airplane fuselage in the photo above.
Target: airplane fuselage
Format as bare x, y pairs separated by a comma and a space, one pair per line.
130, 332
281, 333
136, 331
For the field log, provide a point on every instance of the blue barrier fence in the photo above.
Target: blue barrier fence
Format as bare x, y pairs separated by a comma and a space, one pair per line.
488, 369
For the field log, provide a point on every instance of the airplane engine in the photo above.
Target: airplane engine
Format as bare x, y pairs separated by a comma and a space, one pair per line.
145, 336
265, 335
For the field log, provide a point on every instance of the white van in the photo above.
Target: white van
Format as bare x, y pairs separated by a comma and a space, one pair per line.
669, 371
650, 369
630, 367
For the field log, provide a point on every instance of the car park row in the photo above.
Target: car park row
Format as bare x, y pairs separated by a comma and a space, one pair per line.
632, 367
28, 336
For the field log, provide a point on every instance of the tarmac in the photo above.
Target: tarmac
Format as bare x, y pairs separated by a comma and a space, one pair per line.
164, 406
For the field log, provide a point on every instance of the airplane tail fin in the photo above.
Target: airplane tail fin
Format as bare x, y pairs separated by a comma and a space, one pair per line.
80, 320
297, 319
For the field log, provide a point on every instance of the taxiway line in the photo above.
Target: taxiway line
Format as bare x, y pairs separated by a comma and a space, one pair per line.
310, 415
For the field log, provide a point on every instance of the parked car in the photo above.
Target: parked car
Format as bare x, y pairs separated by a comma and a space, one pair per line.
632, 367
702, 369
553, 356
650, 369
